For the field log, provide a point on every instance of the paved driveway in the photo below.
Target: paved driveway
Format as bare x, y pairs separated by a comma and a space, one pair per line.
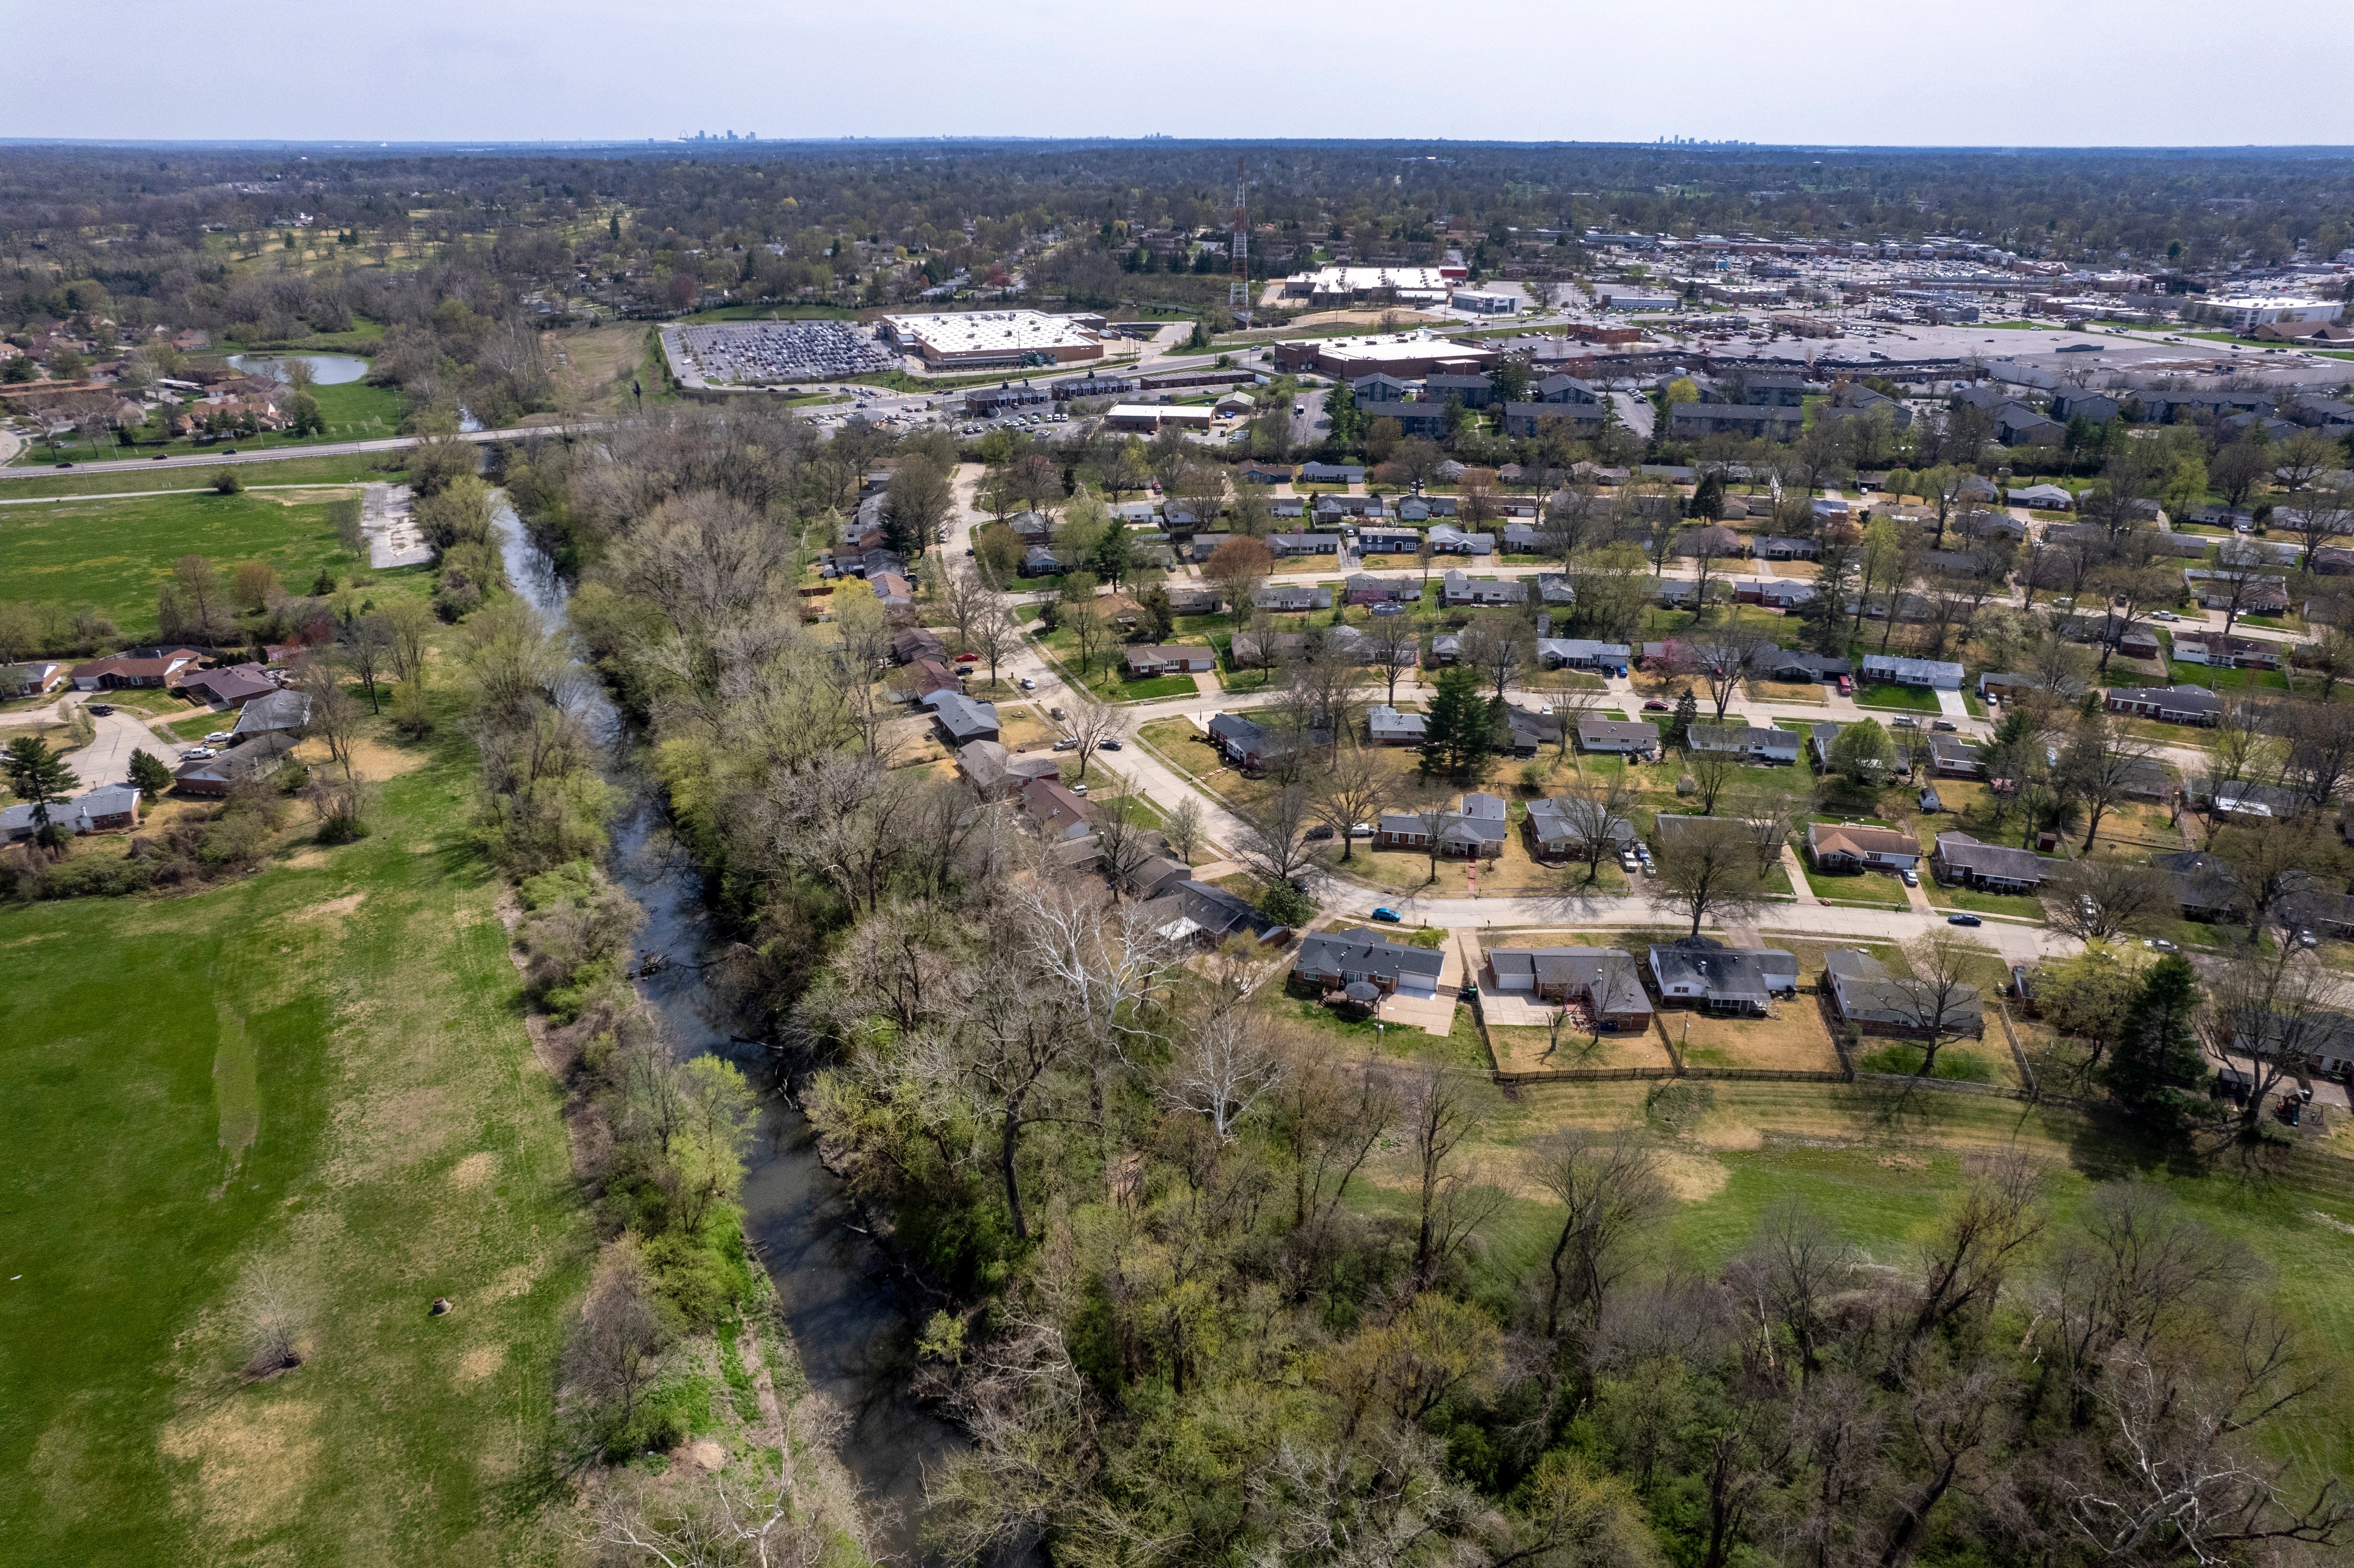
107, 759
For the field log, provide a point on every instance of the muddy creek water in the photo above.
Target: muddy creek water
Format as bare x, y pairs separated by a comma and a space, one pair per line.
847, 1307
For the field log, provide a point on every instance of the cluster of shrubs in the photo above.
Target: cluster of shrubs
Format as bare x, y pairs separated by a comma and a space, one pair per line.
192, 849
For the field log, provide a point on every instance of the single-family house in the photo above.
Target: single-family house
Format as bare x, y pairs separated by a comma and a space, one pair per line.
1567, 826
1475, 830
1202, 913
1385, 725
1331, 473
1243, 742
1797, 668
1699, 974
1329, 960
1951, 756
1849, 846
1054, 812
1583, 653
1292, 599
960, 718
215, 777
1619, 736
1446, 539
2205, 885
1748, 742
1364, 588
34, 678
918, 642
2174, 705
1778, 547
1143, 661
996, 773
108, 807
1459, 588
1387, 540
1875, 1001
137, 667
2043, 497
1284, 545
1528, 731
2227, 652
1961, 859
1038, 561
1603, 981
277, 713
1933, 675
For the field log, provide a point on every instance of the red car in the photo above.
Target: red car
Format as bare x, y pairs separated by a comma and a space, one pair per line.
1655, 704
968, 657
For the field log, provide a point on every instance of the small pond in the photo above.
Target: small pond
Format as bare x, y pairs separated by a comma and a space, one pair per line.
326, 369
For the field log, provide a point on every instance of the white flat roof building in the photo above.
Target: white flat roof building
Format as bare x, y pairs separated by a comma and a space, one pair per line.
1332, 284
993, 337
2241, 311
1153, 415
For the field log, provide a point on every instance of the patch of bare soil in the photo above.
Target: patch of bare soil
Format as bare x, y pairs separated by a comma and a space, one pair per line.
474, 1171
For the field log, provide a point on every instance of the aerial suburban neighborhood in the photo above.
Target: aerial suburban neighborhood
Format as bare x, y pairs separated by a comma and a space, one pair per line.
836, 846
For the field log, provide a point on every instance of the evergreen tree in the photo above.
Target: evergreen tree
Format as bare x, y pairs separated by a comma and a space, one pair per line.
1824, 616
40, 775
2157, 1061
1459, 731
1687, 712
150, 772
1708, 497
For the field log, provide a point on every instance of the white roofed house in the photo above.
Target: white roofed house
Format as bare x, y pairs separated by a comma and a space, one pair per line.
1459, 588
1928, 673
1748, 742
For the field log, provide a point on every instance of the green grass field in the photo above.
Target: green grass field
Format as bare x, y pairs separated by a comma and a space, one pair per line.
195, 474
320, 1070
113, 554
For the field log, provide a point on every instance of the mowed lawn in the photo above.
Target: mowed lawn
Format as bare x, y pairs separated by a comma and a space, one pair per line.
115, 554
353, 410
321, 1071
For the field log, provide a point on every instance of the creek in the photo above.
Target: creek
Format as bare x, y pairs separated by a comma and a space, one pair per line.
844, 1302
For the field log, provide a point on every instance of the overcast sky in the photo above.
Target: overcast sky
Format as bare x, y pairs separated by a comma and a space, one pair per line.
1994, 72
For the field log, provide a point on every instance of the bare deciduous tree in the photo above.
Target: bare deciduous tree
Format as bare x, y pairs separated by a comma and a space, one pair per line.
1609, 1188
1222, 1067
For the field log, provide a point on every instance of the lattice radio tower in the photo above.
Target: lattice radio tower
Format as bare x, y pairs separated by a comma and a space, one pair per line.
1238, 292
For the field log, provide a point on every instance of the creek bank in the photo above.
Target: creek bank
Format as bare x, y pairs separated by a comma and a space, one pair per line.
844, 1309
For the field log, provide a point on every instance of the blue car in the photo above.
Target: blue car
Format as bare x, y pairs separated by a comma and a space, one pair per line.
1963, 920
1388, 917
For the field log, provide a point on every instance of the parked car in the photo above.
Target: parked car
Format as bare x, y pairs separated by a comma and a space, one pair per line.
1655, 704
197, 754
1912, 879
1905, 723
1963, 920
217, 737
1028, 685
1388, 917
2160, 944
1078, 790
101, 709
2164, 615
1069, 743
1362, 831
1846, 687
2306, 937
1946, 725
1318, 833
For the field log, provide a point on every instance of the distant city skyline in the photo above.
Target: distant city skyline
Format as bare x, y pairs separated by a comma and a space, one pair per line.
1836, 72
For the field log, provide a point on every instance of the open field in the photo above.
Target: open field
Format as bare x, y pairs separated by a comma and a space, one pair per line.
114, 554
194, 473
320, 1071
